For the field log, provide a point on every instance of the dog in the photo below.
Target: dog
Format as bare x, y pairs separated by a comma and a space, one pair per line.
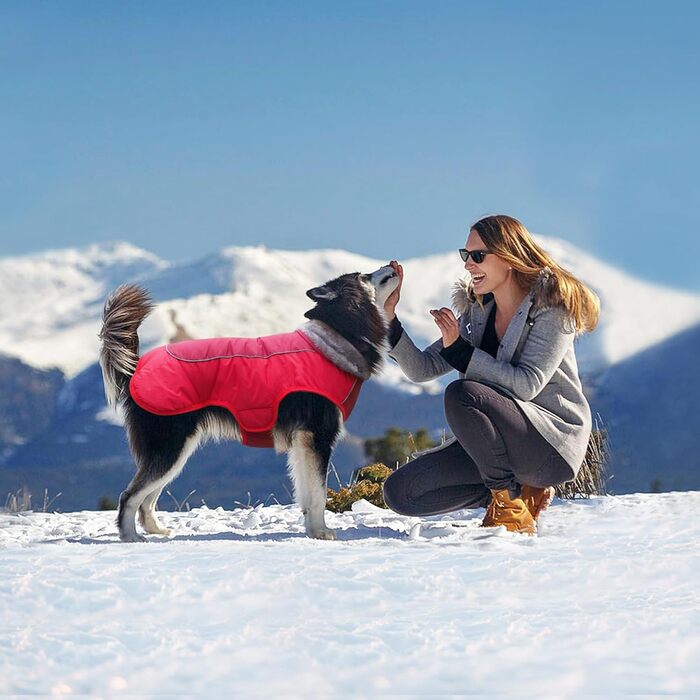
290, 391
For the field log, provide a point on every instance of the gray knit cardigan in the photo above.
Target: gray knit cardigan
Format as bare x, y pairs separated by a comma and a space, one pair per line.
535, 364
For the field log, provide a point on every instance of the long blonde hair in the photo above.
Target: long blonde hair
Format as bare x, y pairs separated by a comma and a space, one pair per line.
507, 238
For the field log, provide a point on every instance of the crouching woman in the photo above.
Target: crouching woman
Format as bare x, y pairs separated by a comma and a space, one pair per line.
520, 420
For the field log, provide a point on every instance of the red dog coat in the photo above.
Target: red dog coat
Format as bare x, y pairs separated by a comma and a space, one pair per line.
247, 376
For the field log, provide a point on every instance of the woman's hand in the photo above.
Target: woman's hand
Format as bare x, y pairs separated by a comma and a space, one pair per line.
393, 298
447, 323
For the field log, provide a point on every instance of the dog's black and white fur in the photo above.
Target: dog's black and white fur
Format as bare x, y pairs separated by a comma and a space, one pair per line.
348, 326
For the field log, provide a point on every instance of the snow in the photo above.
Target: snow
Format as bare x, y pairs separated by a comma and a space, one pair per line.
52, 302
605, 600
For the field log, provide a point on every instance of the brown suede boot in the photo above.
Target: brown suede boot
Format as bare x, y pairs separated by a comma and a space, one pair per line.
536, 499
510, 512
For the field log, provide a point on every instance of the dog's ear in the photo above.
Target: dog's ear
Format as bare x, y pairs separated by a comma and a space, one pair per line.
323, 293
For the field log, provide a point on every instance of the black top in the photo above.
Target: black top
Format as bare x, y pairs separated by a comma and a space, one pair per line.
490, 342
460, 352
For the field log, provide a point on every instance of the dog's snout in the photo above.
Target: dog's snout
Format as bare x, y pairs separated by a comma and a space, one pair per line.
383, 274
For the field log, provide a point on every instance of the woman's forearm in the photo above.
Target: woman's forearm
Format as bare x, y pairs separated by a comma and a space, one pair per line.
419, 365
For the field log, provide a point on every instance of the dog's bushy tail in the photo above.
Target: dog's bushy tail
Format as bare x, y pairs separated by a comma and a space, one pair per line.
125, 310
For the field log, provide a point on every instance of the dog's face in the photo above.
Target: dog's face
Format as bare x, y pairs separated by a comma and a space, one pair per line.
376, 286
353, 305
384, 281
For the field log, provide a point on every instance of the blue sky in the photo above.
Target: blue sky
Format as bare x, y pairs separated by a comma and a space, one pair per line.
380, 127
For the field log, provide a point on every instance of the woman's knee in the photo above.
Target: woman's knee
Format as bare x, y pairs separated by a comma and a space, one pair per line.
463, 393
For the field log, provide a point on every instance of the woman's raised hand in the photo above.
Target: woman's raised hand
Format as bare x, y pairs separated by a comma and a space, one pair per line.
393, 298
447, 323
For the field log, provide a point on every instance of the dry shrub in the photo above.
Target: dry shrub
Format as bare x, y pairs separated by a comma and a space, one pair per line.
368, 485
592, 476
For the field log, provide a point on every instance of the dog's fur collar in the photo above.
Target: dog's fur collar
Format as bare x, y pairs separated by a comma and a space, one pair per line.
340, 351
543, 293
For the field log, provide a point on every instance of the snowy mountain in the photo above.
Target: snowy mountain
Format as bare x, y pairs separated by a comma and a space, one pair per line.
52, 301
604, 601
50, 318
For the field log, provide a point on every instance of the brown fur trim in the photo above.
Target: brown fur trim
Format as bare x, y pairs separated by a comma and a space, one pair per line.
543, 292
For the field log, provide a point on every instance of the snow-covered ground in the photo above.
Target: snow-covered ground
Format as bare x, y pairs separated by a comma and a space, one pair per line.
605, 600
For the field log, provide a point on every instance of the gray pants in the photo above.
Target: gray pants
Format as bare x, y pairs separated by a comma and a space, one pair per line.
496, 447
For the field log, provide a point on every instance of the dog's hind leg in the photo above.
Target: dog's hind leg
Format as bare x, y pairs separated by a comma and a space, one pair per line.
308, 469
150, 478
129, 503
147, 514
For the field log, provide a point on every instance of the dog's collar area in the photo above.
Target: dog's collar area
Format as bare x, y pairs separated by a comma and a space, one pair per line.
336, 348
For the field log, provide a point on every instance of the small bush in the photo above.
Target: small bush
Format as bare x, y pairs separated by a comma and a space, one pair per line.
376, 473
21, 501
368, 485
592, 476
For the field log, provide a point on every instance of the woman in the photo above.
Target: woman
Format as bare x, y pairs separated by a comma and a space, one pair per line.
519, 418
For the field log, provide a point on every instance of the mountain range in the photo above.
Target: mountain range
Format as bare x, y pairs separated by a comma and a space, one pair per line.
56, 432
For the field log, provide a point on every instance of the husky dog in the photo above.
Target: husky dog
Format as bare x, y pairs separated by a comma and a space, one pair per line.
347, 330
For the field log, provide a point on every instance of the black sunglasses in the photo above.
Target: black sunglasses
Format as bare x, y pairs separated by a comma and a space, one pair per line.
477, 255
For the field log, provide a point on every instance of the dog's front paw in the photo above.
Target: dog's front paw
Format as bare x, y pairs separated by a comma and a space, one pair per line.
322, 534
